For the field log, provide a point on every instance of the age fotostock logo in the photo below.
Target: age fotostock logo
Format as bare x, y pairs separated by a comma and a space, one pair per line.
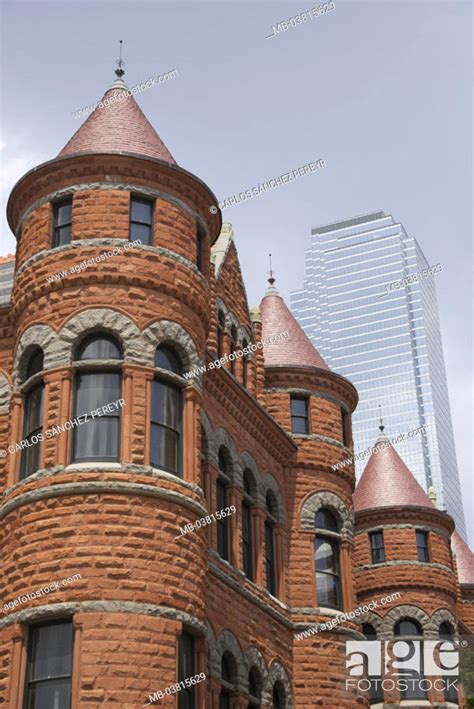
402, 665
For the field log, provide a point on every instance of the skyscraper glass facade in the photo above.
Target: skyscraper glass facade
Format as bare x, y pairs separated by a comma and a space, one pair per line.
387, 343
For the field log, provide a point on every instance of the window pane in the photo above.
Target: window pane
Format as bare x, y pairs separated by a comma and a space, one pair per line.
35, 364
325, 556
97, 440
55, 694
164, 448
96, 389
63, 214
51, 650
140, 231
141, 211
299, 425
165, 405
167, 359
298, 407
327, 587
325, 520
62, 235
33, 410
99, 348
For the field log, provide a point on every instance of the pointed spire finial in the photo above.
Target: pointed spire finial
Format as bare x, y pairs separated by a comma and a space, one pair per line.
381, 426
120, 63
271, 280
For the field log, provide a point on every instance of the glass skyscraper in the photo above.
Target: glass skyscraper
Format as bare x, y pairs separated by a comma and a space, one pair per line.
387, 343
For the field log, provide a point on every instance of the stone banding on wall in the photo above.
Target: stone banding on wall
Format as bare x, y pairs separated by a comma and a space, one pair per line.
5, 394
331, 501
213, 654
277, 673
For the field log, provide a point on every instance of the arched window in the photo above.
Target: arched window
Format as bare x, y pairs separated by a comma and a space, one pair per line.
278, 696
270, 557
33, 416
247, 525
255, 689
411, 633
245, 364
375, 689
233, 345
222, 485
220, 333
227, 680
326, 559
204, 459
165, 419
446, 632
186, 670
97, 393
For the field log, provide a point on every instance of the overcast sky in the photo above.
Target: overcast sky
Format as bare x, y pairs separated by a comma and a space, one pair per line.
380, 90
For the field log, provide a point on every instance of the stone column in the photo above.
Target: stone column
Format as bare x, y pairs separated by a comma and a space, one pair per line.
76, 663
15, 437
15, 688
259, 516
191, 421
65, 408
348, 593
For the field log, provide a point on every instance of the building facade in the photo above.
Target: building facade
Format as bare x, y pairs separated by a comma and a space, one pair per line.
171, 516
386, 339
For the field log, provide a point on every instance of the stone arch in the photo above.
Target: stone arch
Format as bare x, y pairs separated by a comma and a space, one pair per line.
106, 320
244, 335
174, 334
36, 336
254, 658
442, 615
214, 659
317, 500
207, 428
277, 673
222, 438
399, 613
5, 393
247, 462
270, 484
227, 642
373, 619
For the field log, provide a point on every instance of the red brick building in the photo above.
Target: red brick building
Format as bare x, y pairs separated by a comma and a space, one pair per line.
155, 526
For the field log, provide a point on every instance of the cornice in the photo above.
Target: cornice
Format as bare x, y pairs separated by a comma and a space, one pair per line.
314, 381
416, 514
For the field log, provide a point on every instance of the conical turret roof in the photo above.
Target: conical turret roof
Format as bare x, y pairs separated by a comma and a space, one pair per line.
295, 350
387, 481
464, 559
120, 127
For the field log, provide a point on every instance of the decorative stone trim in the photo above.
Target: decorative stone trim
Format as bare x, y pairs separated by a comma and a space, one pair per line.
409, 562
227, 642
310, 392
109, 487
269, 483
213, 654
373, 619
254, 658
68, 609
172, 333
35, 336
325, 439
277, 673
247, 462
318, 500
219, 438
423, 527
442, 615
399, 613
5, 394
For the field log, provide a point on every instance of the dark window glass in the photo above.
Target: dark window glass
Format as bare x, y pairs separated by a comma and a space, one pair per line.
369, 631
165, 447
220, 333
222, 526
299, 414
227, 681
245, 364
98, 438
247, 539
422, 546
233, 344
377, 547
200, 244
35, 363
141, 220
62, 223
446, 632
99, 347
49, 666
166, 358
326, 554
32, 426
186, 669
375, 689
345, 427
324, 519
222, 461
255, 689
278, 696
270, 557
409, 628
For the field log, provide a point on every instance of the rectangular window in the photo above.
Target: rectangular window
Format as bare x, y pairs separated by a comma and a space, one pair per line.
326, 557
345, 428
270, 558
200, 244
49, 666
247, 539
165, 445
62, 223
377, 547
222, 533
299, 414
141, 220
97, 438
186, 670
32, 426
422, 545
